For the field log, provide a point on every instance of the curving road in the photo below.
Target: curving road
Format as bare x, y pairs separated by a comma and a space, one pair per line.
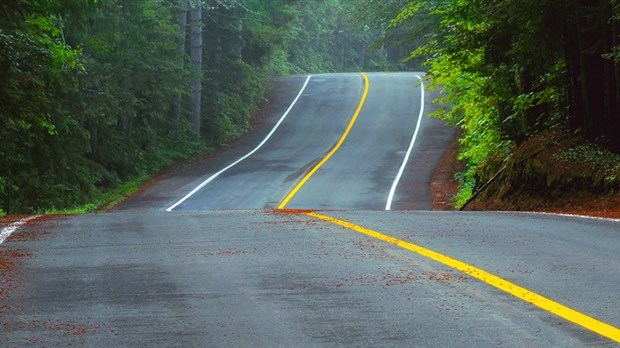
204, 258
362, 171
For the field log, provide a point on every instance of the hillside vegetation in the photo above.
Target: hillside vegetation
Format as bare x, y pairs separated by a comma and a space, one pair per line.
96, 95
533, 85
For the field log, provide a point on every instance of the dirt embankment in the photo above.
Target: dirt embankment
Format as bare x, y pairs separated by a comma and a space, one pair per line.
549, 181
443, 184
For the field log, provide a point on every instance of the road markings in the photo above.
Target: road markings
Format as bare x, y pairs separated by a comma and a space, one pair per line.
336, 147
576, 216
515, 290
7, 231
214, 176
388, 205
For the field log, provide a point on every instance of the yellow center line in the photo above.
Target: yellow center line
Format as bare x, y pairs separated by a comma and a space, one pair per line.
515, 290
344, 136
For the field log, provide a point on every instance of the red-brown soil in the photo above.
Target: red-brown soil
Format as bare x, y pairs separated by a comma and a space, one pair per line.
444, 188
443, 185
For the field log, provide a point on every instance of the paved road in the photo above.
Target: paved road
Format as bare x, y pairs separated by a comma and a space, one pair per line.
361, 173
315, 123
224, 269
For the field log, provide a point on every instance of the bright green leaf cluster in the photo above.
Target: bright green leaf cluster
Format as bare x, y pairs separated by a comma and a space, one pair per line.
512, 69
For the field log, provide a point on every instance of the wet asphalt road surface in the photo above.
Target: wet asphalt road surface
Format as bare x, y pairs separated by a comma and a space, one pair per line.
224, 269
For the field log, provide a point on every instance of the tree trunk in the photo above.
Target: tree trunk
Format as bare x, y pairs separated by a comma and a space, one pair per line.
218, 53
594, 64
195, 43
239, 51
175, 109
383, 49
217, 64
362, 61
573, 66
584, 75
615, 122
239, 48
93, 130
608, 80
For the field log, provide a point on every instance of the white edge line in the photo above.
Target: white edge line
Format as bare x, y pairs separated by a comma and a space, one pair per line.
585, 217
7, 231
388, 205
212, 177
538, 213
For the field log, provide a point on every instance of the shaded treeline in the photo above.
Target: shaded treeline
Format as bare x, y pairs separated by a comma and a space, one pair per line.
94, 93
513, 69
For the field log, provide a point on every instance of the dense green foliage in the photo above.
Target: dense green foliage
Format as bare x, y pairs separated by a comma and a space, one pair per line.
513, 69
96, 93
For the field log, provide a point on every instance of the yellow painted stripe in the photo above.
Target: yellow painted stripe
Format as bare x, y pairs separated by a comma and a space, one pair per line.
522, 293
344, 136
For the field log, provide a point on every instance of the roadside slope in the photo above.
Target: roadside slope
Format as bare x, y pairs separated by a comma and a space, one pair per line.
548, 198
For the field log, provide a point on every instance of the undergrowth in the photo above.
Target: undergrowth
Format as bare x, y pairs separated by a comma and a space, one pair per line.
550, 165
105, 199
606, 165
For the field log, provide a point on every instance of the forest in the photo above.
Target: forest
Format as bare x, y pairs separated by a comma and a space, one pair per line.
534, 88
98, 95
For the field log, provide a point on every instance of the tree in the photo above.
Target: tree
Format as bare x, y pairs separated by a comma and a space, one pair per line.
512, 69
37, 67
195, 45
181, 14
591, 44
94, 93
396, 40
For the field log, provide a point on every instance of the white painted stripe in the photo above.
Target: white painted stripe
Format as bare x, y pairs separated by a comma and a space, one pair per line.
585, 217
214, 176
7, 231
388, 205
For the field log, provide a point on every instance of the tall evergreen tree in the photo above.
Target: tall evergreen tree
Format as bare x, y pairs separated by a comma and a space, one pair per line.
195, 45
